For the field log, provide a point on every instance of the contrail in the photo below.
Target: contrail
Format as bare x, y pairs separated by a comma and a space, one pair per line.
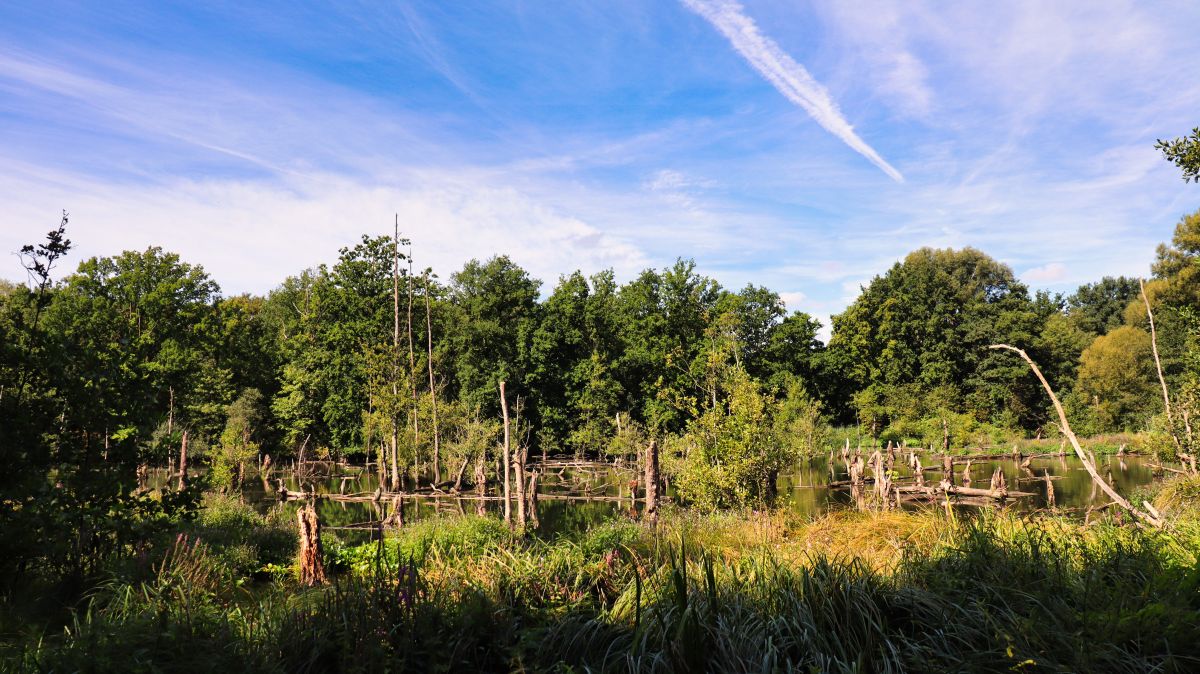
782, 71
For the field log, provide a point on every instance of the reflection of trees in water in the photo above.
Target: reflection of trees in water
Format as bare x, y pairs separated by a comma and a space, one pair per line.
804, 490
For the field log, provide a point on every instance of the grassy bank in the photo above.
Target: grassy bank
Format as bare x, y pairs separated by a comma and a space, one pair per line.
754, 592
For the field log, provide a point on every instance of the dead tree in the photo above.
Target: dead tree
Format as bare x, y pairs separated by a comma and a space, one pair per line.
312, 562
480, 484
651, 513
462, 470
531, 491
396, 518
1179, 448
394, 459
437, 438
1049, 489
412, 374
506, 458
1149, 516
999, 485
264, 472
183, 446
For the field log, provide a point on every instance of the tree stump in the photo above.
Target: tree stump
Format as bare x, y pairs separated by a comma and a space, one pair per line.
652, 482
311, 561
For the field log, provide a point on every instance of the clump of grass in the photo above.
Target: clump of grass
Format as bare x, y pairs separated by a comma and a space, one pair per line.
242, 538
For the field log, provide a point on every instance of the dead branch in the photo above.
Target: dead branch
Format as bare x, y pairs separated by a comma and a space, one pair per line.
1083, 457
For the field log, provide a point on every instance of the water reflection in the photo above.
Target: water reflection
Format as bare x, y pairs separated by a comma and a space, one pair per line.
576, 496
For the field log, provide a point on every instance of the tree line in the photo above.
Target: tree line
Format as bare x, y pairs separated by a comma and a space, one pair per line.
134, 359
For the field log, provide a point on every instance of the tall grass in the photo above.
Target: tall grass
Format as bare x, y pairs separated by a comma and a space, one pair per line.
724, 593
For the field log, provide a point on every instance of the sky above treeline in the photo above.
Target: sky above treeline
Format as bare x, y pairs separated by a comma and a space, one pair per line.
805, 146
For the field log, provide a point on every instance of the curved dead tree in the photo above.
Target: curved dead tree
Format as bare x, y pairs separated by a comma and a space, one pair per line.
1149, 515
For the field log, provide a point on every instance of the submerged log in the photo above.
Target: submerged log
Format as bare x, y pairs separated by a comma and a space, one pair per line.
311, 561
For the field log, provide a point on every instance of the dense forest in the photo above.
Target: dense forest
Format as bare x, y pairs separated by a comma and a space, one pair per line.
137, 399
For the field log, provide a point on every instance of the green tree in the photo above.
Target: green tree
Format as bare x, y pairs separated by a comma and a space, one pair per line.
239, 441
1099, 307
728, 456
1116, 380
928, 321
496, 312
1185, 153
665, 318
1178, 263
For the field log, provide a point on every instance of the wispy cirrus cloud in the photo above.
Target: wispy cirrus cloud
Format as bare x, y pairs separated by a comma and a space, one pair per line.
783, 72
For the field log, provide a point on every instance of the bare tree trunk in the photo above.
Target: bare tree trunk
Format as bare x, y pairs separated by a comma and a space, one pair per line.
506, 459
462, 470
651, 513
1149, 516
1154, 348
412, 374
170, 430
437, 442
264, 472
312, 562
480, 485
533, 502
520, 453
183, 462
1161, 379
395, 477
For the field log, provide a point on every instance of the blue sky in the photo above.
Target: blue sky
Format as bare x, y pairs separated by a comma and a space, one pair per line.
800, 145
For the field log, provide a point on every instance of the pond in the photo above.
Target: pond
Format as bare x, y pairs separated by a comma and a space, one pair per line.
575, 495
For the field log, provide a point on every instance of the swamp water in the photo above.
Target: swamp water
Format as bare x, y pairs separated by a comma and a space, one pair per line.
574, 496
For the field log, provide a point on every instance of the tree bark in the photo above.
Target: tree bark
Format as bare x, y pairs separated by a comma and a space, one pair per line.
183, 462
518, 467
412, 373
312, 562
507, 457
395, 449
437, 442
651, 513
532, 495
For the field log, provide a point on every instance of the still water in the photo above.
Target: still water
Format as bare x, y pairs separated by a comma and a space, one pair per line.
574, 496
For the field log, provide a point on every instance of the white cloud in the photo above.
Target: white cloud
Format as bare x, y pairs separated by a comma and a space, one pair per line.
250, 235
1048, 273
793, 300
783, 72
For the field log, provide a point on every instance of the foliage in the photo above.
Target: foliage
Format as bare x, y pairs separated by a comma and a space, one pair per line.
1116, 379
1185, 153
927, 323
1098, 307
800, 426
239, 444
730, 453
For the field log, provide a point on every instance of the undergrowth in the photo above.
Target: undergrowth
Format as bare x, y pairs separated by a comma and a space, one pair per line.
849, 592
